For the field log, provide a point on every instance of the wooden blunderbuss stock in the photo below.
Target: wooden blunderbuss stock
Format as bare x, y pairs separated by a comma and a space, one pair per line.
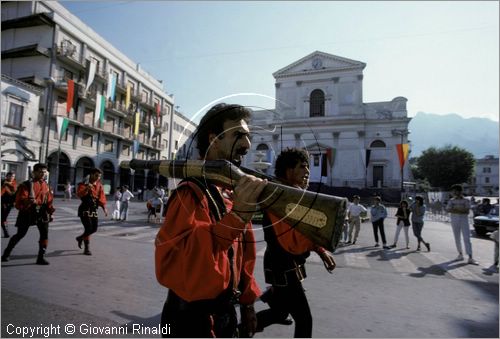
319, 217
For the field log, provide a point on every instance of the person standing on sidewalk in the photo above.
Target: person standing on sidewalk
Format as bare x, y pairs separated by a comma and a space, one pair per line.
9, 187
417, 221
92, 195
402, 222
354, 215
125, 198
34, 201
459, 208
117, 196
378, 214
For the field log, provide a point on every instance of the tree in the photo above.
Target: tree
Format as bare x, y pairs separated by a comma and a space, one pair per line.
446, 166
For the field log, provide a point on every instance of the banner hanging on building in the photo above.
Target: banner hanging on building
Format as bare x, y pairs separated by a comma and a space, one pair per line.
151, 127
136, 123
70, 95
91, 69
330, 154
62, 126
127, 97
100, 105
110, 94
402, 150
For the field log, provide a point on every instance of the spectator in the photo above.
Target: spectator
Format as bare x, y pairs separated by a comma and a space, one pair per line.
378, 214
125, 198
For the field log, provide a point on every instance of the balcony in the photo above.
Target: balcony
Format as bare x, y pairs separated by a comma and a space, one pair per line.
117, 108
67, 53
159, 129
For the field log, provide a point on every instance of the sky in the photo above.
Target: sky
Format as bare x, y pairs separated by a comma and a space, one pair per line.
442, 56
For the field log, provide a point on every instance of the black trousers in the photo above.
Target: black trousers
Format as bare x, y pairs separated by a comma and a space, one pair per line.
379, 226
290, 299
43, 229
6, 207
198, 319
89, 224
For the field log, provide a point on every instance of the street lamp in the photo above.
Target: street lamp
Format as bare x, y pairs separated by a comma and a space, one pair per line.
402, 133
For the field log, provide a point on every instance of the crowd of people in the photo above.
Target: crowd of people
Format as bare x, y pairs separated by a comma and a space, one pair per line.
205, 250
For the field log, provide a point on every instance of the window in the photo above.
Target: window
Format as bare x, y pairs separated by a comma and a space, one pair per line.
487, 180
126, 150
67, 75
16, 112
377, 144
486, 169
317, 103
108, 145
145, 96
87, 139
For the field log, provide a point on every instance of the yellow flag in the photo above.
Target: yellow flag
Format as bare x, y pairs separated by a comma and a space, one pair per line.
136, 127
127, 98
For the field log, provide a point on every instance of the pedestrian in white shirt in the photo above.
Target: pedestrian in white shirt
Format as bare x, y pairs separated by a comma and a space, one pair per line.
354, 214
459, 208
126, 196
117, 196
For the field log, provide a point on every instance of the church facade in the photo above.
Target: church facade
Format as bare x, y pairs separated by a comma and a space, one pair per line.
320, 107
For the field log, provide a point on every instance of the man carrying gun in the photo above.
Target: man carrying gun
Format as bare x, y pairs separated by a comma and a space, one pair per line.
205, 250
34, 201
92, 195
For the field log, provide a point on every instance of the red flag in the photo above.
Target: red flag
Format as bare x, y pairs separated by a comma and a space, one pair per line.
71, 93
158, 111
402, 150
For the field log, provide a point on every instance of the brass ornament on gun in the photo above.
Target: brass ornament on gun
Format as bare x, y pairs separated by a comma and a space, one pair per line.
320, 217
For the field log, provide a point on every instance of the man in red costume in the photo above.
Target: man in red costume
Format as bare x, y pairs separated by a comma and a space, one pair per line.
34, 201
286, 253
91, 192
205, 250
9, 187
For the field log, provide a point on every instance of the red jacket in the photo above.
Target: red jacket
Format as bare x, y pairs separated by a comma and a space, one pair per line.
41, 193
96, 190
289, 238
9, 187
191, 256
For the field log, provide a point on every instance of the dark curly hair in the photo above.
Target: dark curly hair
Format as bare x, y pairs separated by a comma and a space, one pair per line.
213, 122
289, 158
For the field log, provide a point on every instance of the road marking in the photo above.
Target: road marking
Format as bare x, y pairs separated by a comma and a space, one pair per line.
403, 265
149, 233
119, 230
459, 273
356, 260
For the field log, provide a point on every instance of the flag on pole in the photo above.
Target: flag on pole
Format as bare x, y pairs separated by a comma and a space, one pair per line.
99, 110
158, 111
324, 165
136, 124
110, 94
367, 157
330, 154
151, 128
135, 147
62, 126
127, 97
70, 95
402, 150
91, 69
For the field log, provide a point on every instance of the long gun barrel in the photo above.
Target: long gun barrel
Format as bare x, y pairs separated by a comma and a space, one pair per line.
320, 217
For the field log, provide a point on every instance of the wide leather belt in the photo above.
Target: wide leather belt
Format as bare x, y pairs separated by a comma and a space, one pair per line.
281, 279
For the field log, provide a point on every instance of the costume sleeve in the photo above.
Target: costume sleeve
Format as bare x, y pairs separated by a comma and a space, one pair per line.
191, 250
102, 197
248, 286
289, 238
22, 198
50, 201
82, 190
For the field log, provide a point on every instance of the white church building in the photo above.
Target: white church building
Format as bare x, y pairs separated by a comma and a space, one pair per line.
320, 107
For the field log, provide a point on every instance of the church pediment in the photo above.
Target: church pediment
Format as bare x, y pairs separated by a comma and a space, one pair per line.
318, 62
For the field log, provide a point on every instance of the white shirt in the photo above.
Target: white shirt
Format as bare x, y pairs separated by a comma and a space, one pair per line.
126, 196
355, 210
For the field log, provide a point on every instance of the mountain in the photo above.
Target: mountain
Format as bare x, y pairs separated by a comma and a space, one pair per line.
477, 135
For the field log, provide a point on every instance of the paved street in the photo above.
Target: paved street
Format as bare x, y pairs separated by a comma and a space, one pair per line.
372, 293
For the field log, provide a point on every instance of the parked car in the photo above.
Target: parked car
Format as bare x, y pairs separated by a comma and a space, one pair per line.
487, 223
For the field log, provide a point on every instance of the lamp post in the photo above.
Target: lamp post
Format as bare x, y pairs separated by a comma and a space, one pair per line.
402, 133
